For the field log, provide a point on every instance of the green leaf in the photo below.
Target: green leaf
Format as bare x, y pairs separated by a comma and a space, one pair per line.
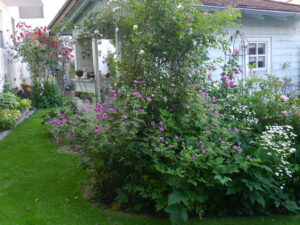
177, 197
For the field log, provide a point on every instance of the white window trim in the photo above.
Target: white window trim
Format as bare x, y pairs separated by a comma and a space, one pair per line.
268, 41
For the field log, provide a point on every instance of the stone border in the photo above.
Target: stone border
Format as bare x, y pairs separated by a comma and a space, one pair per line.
24, 116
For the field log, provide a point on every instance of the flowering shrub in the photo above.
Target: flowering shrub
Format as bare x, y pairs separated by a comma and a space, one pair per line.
42, 51
179, 158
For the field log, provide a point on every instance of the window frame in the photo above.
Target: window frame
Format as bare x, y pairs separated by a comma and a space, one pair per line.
268, 53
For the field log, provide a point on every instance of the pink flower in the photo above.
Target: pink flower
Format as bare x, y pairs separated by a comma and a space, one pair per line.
58, 141
134, 125
96, 129
237, 131
213, 98
176, 137
248, 157
187, 106
224, 77
135, 81
203, 151
52, 132
161, 123
161, 138
170, 146
235, 147
87, 101
59, 114
284, 113
152, 123
231, 83
236, 51
104, 116
141, 110
209, 75
233, 77
149, 99
97, 114
161, 129
124, 117
112, 91
83, 108
226, 84
167, 142
48, 117
230, 129
284, 98
217, 113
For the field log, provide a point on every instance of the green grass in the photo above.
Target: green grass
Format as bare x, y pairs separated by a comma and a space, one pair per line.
39, 186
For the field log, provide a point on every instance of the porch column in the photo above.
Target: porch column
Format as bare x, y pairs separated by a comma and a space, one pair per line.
96, 70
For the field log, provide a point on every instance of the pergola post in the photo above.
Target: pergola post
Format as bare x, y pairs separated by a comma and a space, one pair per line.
96, 70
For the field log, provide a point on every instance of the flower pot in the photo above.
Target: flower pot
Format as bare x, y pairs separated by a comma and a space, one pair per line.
79, 73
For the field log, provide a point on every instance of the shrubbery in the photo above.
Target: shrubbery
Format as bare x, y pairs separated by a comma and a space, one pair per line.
11, 108
46, 95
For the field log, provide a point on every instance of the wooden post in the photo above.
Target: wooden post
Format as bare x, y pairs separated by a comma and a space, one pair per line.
96, 70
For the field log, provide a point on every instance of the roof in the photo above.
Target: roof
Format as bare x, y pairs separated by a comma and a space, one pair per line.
65, 9
254, 4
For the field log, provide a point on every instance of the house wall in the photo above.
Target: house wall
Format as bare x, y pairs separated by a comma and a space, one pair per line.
9, 71
285, 43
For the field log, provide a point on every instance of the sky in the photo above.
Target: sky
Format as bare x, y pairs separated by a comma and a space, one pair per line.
51, 8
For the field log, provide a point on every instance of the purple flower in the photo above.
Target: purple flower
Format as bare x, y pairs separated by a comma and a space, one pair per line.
58, 141
96, 129
149, 137
52, 132
248, 157
222, 142
217, 113
235, 147
135, 81
200, 142
83, 108
183, 143
213, 98
237, 131
167, 142
176, 137
141, 110
97, 114
134, 125
202, 146
48, 117
124, 117
112, 110
161, 129
87, 100
70, 137
170, 146
112, 91
203, 151
59, 114
230, 129
104, 116
161, 138
161, 123
149, 99
194, 158
188, 107
152, 123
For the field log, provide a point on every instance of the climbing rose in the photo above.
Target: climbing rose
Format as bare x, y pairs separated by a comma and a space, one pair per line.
284, 98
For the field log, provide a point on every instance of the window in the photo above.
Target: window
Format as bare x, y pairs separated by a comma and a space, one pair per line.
259, 54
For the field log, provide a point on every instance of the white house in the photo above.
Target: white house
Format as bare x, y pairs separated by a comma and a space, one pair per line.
272, 30
10, 11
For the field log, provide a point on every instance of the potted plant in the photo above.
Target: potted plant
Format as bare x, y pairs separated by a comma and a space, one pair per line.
79, 73
91, 75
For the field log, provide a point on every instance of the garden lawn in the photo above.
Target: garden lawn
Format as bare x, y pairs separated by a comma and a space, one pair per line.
39, 186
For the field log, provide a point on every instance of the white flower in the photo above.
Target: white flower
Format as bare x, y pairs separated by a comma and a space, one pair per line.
96, 32
117, 29
179, 6
142, 52
135, 27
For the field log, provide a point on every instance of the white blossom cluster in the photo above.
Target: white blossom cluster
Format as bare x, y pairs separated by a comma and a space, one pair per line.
244, 112
278, 141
